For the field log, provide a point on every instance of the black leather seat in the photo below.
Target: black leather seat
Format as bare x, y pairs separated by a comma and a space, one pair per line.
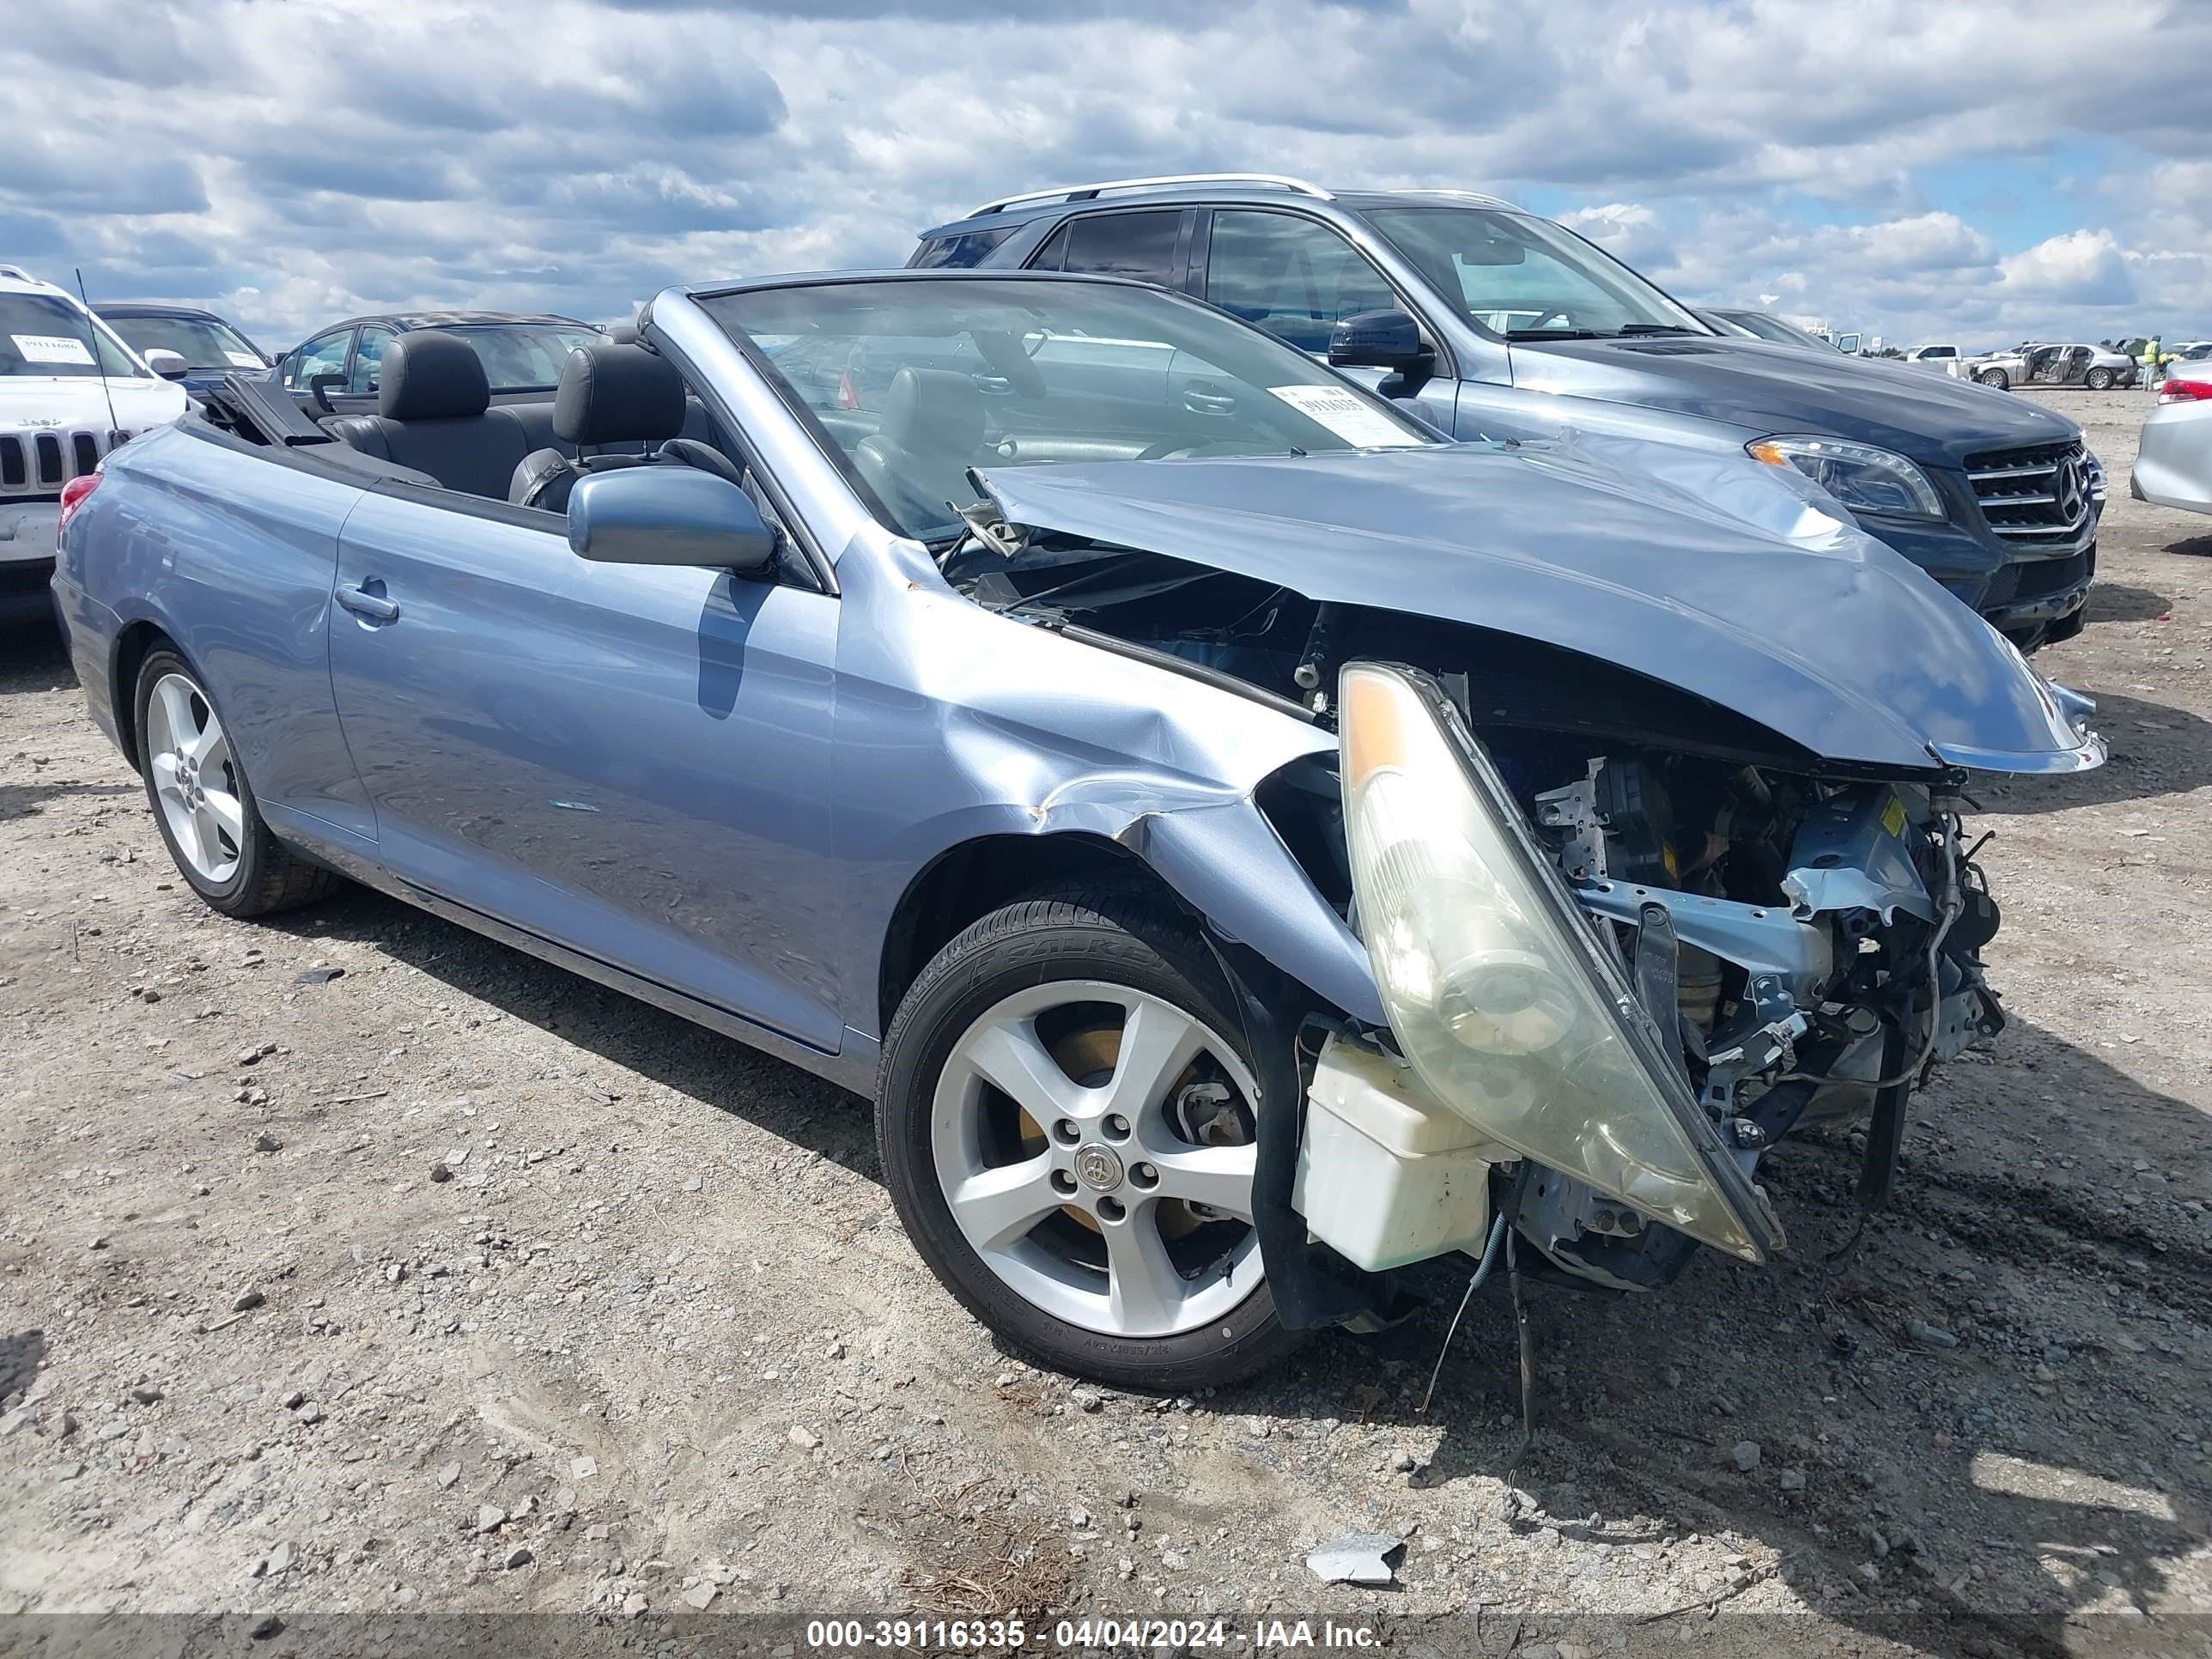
612, 392
434, 414
917, 461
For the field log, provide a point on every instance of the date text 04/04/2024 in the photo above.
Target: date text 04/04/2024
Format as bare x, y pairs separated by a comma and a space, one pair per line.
1195, 1633
992, 1635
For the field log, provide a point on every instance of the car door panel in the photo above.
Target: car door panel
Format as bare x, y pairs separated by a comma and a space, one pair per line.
243, 551
631, 761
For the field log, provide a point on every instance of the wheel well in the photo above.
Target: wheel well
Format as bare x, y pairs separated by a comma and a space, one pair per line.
132, 647
974, 879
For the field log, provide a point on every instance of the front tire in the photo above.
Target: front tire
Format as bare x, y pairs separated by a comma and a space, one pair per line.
202, 804
1996, 376
1066, 1118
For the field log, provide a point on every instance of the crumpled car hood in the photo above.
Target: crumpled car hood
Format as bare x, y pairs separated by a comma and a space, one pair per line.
1717, 575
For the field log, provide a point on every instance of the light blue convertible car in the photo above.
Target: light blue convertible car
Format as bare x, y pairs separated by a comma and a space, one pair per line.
1246, 843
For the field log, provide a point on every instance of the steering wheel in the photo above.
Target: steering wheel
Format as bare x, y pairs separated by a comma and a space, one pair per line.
705, 457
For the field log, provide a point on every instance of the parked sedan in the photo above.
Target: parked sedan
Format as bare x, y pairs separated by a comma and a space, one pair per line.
1246, 843
337, 372
210, 344
2097, 368
2185, 357
2173, 456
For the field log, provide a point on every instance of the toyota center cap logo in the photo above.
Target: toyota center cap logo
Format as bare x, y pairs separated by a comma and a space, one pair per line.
2067, 492
1100, 1169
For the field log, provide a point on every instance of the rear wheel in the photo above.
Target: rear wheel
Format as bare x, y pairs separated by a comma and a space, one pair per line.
1996, 376
2098, 380
1066, 1117
203, 804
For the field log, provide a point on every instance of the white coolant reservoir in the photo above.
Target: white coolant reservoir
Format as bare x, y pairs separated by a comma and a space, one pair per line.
1387, 1174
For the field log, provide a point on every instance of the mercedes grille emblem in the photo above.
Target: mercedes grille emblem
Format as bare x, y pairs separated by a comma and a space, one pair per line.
2067, 491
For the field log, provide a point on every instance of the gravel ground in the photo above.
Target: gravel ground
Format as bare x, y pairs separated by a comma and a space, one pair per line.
356, 1264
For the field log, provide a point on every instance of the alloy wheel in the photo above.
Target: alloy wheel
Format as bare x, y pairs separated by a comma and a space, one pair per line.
1094, 1144
195, 778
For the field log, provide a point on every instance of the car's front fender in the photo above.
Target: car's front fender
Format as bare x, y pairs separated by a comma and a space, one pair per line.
957, 728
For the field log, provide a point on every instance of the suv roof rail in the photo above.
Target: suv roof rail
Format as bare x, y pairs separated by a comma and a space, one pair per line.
16, 274
1484, 197
1164, 181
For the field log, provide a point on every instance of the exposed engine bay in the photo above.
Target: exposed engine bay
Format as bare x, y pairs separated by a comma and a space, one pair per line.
1804, 937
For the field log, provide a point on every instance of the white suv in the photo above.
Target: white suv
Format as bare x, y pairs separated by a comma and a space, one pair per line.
70, 391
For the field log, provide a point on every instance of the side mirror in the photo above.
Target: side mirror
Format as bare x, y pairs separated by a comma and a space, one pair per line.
169, 365
667, 515
1380, 339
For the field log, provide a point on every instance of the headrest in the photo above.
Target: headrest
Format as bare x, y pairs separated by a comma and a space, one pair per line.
933, 409
623, 334
612, 393
427, 375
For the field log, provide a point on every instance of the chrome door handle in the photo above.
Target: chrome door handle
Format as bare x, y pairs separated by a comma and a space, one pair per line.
363, 603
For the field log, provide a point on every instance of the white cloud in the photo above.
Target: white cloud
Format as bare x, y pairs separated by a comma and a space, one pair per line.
1631, 231
305, 161
1926, 242
2082, 267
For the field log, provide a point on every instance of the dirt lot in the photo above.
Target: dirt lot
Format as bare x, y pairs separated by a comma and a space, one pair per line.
657, 1342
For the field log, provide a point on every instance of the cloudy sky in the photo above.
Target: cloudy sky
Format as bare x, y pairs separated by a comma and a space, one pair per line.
1922, 169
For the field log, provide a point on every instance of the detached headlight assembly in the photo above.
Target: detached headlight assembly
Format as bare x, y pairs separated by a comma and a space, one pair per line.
1863, 478
1498, 990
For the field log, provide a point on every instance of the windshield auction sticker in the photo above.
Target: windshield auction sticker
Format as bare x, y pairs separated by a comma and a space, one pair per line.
245, 360
52, 349
1345, 414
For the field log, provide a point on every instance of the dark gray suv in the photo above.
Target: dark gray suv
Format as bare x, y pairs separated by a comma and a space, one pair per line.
1496, 323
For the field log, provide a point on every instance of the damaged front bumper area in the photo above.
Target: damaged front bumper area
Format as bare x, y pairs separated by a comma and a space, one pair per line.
1522, 1037
1598, 1049
1545, 1065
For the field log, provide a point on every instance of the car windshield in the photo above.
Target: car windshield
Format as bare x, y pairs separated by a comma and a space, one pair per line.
43, 335
1522, 277
914, 381
523, 356
202, 341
